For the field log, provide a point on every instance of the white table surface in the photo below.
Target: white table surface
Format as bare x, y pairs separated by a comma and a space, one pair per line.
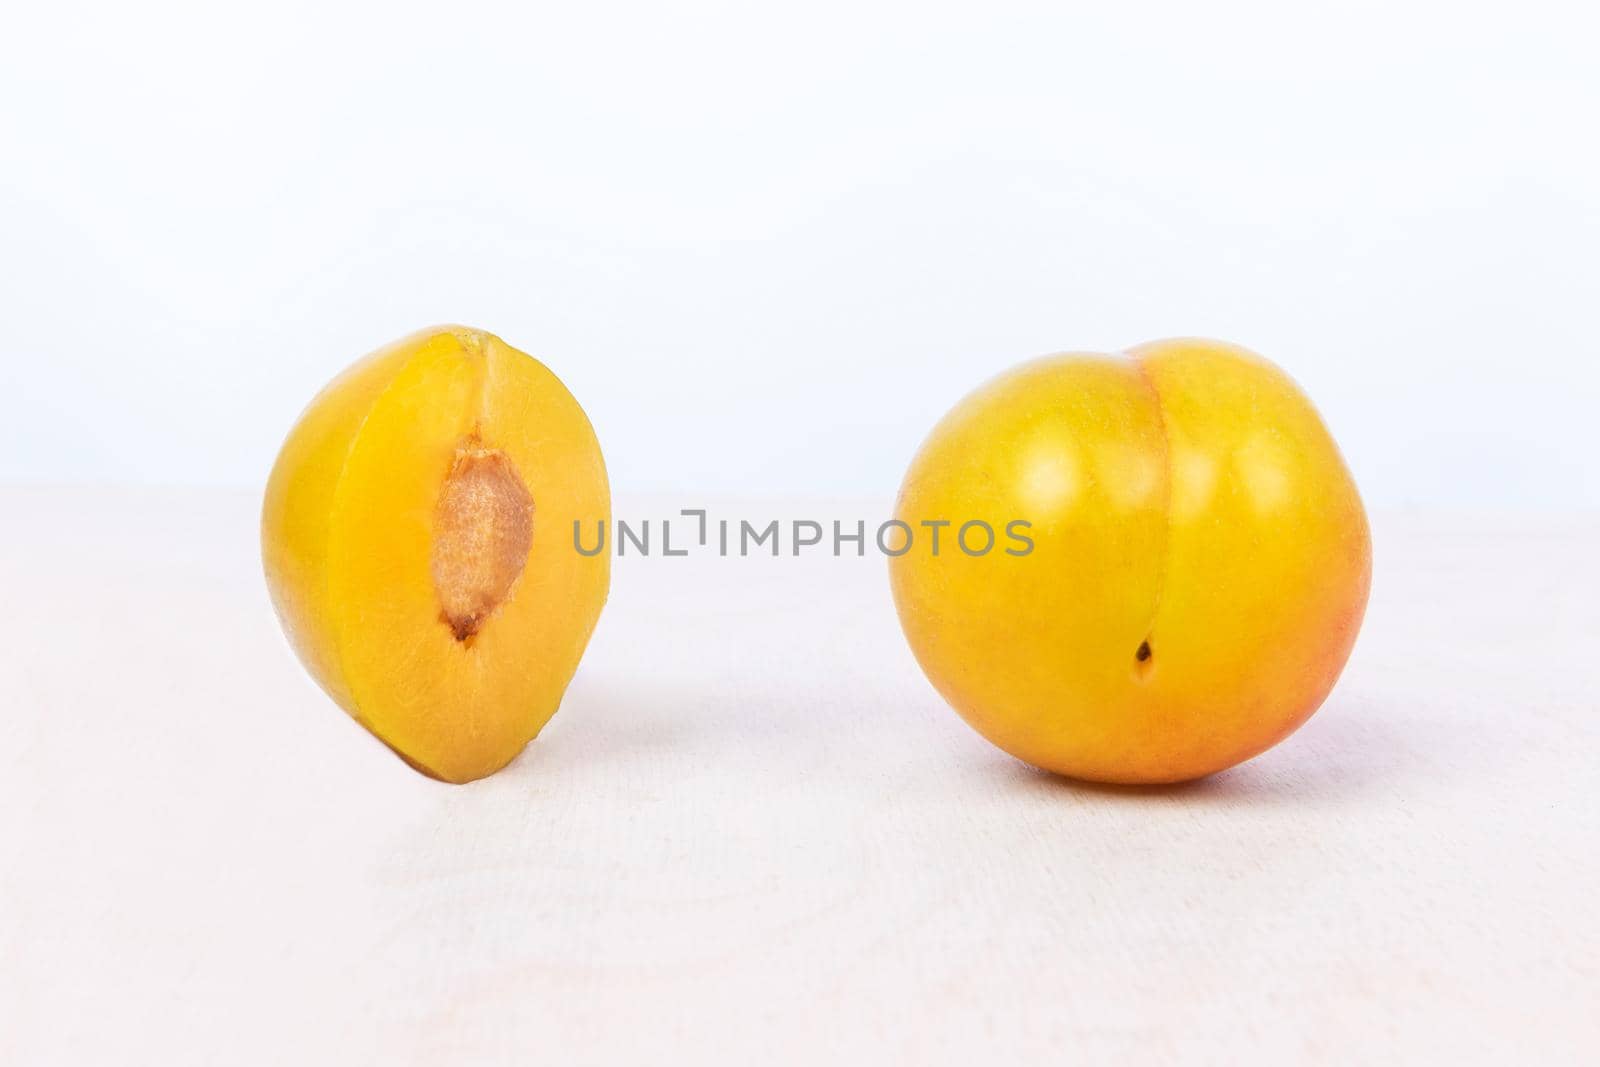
754, 834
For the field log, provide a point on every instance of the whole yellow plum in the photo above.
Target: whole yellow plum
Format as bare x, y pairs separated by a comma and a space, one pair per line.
1180, 569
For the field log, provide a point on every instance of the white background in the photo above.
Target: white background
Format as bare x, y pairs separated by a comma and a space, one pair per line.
767, 246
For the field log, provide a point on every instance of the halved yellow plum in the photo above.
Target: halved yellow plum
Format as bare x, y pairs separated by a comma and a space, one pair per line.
417, 536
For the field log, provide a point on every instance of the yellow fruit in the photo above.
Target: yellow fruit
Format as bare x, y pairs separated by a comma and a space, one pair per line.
417, 536
1199, 567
